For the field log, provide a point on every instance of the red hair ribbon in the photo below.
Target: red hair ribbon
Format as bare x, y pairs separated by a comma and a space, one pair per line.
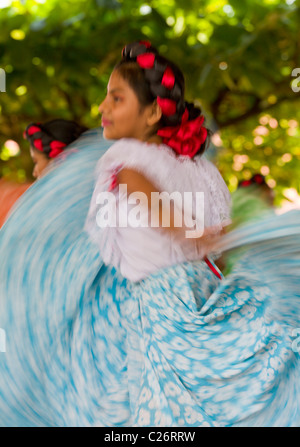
187, 138
146, 43
168, 79
168, 106
245, 183
38, 144
259, 179
146, 60
56, 148
33, 129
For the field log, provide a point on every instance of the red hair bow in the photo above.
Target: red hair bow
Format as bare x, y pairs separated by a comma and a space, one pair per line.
146, 43
38, 144
33, 129
168, 106
146, 60
245, 183
56, 148
187, 138
168, 79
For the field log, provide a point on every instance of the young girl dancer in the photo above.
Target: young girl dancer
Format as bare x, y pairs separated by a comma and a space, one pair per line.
48, 140
126, 330
161, 139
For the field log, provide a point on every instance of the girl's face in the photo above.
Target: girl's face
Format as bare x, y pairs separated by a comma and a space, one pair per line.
122, 114
40, 162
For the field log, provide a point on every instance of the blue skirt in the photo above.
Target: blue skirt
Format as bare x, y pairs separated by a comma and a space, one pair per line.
82, 346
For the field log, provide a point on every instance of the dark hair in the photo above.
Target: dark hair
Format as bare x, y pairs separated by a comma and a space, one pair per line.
148, 86
256, 179
52, 137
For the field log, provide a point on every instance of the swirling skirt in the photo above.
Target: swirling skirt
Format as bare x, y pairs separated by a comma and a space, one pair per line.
82, 346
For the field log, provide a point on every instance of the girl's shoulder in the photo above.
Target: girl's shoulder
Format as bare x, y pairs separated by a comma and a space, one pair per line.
161, 165
151, 160
142, 155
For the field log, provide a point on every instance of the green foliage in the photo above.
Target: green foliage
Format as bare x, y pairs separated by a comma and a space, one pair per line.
237, 56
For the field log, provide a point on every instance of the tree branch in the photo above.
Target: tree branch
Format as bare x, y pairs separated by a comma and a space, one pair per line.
257, 108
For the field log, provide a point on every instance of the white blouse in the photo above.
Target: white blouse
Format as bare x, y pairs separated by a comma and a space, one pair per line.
122, 228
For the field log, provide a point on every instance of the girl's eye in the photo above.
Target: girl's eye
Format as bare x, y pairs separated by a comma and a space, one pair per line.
117, 98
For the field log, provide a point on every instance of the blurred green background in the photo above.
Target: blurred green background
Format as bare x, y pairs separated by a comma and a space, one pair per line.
239, 58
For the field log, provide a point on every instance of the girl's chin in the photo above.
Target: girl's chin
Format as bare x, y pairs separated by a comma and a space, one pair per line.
107, 134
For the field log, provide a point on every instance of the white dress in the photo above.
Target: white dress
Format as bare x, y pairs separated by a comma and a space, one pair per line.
138, 251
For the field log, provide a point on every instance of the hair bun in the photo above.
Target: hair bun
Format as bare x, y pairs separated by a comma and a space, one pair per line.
135, 49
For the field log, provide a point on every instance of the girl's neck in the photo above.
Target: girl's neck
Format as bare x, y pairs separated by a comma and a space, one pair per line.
154, 139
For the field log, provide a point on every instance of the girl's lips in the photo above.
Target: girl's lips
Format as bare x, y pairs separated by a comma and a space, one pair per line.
105, 122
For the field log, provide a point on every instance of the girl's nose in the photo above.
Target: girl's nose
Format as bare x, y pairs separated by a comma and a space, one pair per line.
101, 106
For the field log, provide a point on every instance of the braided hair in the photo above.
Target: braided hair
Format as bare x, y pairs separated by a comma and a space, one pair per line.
52, 137
154, 77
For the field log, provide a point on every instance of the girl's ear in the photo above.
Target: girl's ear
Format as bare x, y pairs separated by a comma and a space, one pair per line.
155, 114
